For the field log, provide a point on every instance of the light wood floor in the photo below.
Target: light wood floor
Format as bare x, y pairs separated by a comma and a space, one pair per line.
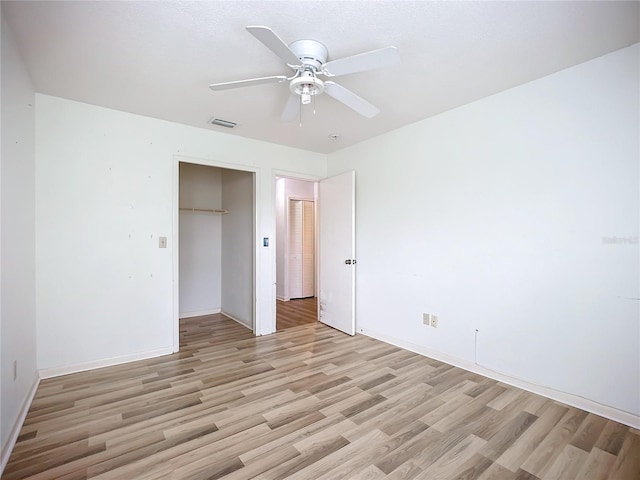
294, 313
307, 403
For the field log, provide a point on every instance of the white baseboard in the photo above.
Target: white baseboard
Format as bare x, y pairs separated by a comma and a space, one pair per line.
199, 314
237, 320
577, 401
17, 426
107, 362
283, 299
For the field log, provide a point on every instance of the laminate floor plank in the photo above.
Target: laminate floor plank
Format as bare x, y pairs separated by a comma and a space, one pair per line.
370, 472
306, 403
567, 464
309, 457
627, 462
406, 471
526, 443
598, 465
322, 424
549, 448
448, 462
295, 313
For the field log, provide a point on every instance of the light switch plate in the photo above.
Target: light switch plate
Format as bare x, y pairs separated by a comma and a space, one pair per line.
162, 242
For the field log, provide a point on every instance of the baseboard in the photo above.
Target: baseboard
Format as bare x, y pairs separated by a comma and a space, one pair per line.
17, 426
283, 299
237, 320
577, 401
107, 362
199, 314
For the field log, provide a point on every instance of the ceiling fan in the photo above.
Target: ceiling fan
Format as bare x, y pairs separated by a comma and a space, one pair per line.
308, 60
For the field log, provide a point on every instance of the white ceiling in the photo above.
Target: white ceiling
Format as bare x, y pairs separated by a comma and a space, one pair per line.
158, 58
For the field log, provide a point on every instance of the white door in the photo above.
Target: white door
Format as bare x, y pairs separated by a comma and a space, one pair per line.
301, 249
295, 248
336, 204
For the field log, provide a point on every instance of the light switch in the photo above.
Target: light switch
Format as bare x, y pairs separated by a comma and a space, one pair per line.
162, 242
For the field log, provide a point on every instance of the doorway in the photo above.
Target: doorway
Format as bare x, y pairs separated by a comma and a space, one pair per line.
216, 242
296, 252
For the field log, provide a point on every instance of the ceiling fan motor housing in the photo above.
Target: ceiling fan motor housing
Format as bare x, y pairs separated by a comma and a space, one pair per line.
312, 55
310, 52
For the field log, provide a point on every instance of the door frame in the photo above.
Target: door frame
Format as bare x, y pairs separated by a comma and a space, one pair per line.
276, 173
175, 197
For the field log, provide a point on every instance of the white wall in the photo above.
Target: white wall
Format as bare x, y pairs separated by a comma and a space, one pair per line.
287, 188
493, 216
238, 246
17, 243
299, 189
105, 182
200, 240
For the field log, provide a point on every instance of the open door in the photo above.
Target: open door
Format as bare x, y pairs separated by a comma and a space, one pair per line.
336, 204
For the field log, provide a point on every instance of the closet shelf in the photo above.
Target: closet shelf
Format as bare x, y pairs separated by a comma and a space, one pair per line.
218, 211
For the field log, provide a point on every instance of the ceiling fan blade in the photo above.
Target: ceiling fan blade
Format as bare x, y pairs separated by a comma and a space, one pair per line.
291, 109
351, 100
274, 43
381, 58
247, 83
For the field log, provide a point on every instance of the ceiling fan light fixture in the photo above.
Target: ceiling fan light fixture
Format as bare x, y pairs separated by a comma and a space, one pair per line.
306, 85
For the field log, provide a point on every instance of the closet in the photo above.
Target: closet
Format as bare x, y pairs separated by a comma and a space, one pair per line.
301, 249
216, 230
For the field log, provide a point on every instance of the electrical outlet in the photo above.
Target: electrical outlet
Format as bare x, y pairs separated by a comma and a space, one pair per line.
426, 319
15, 370
434, 321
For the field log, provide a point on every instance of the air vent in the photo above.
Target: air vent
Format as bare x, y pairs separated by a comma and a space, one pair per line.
222, 123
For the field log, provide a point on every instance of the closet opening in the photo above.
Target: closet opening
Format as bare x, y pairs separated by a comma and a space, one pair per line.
216, 243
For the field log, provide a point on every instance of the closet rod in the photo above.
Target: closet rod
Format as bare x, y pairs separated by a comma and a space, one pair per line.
205, 210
